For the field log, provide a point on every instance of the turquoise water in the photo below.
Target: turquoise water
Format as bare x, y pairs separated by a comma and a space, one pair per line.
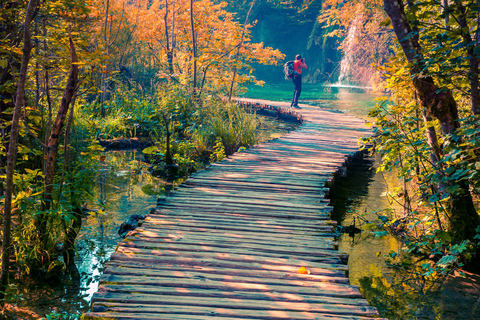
355, 100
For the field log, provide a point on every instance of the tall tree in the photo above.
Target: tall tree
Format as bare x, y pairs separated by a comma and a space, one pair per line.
51, 149
13, 146
194, 47
438, 103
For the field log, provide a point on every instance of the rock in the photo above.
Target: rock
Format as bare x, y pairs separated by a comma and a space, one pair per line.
122, 144
130, 224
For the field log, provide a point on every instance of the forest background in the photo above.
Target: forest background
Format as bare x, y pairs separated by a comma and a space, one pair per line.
80, 71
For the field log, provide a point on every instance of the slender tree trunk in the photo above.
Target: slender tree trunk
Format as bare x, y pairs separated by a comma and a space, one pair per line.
472, 57
8, 33
54, 140
194, 49
13, 148
169, 50
438, 104
447, 17
432, 139
238, 51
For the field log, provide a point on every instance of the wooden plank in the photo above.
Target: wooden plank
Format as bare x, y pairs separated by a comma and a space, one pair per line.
240, 186
130, 267
218, 302
235, 239
296, 238
241, 224
259, 207
244, 219
246, 258
324, 292
300, 184
229, 231
323, 213
132, 311
265, 277
248, 202
170, 249
246, 194
220, 246
223, 262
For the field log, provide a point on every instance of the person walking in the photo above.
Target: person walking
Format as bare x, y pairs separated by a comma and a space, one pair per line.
298, 65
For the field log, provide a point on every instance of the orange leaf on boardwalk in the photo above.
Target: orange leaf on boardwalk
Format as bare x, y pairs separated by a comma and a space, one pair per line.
303, 270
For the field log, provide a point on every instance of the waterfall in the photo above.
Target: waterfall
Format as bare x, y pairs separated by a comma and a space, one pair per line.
348, 45
347, 58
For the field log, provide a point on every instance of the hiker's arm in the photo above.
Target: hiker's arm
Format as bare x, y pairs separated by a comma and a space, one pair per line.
304, 65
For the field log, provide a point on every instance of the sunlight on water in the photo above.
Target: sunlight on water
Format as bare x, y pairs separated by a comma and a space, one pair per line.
118, 194
341, 85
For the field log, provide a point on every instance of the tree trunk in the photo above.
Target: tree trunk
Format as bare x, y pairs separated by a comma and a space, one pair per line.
439, 104
238, 51
194, 49
472, 57
13, 148
169, 49
54, 140
71, 231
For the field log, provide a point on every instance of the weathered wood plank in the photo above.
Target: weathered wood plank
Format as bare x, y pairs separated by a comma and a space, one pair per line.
243, 225
258, 207
223, 262
265, 277
323, 212
250, 202
242, 232
254, 195
244, 219
132, 311
218, 302
242, 180
241, 275
239, 247
328, 293
234, 239
189, 251
245, 259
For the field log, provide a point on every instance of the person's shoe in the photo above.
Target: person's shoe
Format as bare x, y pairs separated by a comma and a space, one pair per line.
296, 106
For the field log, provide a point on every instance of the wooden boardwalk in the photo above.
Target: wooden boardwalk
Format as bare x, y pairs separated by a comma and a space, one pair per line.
229, 243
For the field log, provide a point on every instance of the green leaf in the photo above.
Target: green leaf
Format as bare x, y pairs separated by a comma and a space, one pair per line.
444, 237
385, 22
150, 150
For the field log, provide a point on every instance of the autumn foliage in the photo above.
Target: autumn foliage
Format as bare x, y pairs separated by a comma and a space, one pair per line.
153, 40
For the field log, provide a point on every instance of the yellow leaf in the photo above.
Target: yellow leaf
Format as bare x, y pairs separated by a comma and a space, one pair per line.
303, 270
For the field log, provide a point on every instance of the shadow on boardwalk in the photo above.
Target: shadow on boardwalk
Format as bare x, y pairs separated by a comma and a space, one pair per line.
229, 242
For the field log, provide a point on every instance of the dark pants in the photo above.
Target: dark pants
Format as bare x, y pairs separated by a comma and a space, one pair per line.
297, 83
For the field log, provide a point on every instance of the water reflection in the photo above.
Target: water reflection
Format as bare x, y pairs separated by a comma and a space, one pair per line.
355, 198
122, 177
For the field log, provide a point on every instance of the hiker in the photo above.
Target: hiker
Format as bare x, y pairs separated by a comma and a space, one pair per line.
298, 65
